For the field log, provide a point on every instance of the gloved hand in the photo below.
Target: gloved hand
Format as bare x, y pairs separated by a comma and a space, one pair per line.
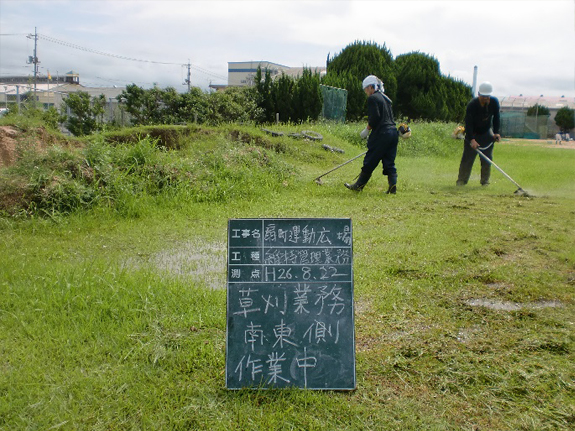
364, 133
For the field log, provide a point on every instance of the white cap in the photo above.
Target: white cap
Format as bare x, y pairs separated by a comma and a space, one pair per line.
485, 89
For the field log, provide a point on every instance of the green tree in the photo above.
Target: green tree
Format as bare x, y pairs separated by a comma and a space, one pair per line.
418, 76
192, 106
565, 119
283, 97
82, 114
51, 117
263, 80
234, 104
167, 106
458, 95
133, 98
295, 99
307, 97
537, 110
153, 106
424, 93
352, 65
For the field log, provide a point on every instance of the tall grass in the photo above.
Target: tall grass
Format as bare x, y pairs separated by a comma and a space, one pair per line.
109, 174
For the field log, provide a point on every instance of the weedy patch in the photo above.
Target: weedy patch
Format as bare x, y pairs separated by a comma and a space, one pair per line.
116, 170
168, 137
259, 141
200, 262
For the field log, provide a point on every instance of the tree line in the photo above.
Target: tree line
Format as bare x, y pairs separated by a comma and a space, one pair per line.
413, 81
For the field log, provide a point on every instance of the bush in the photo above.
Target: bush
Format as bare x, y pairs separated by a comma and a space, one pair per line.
294, 99
130, 176
82, 114
565, 118
537, 110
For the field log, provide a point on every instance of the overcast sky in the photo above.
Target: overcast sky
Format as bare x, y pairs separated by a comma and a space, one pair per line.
523, 47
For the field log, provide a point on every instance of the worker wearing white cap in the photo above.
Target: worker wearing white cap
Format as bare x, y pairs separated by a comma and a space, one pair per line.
482, 127
381, 134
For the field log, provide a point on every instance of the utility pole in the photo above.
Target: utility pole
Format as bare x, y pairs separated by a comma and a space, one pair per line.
34, 60
188, 79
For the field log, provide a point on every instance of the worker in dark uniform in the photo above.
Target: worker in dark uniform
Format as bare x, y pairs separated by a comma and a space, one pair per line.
482, 126
381, 134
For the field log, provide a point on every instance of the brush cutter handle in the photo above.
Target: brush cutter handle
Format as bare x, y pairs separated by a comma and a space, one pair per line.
487, 159
339, 166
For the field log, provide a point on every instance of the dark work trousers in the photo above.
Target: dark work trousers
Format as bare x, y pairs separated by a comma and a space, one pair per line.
382, 147
468, 158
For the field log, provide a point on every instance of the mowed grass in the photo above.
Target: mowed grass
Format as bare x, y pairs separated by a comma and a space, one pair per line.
464, 300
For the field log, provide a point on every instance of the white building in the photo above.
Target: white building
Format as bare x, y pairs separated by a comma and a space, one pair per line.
50, 90
242, 73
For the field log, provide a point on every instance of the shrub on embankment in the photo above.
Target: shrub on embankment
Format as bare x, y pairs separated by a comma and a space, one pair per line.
120, 170
123, 169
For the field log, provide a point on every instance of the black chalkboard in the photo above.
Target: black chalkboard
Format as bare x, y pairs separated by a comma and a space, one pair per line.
290, 304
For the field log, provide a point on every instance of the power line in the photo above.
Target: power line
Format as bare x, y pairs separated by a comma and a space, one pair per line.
93, 51
122, 57
123, 81
199, 69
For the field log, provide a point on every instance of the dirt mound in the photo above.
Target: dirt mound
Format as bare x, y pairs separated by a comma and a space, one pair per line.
14, 140
8, 137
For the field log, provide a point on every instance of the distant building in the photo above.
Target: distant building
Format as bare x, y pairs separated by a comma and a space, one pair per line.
69, 78
50, 90
514, 109
514, 103
243, 73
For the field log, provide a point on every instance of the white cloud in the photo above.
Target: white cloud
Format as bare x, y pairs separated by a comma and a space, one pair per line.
522, 47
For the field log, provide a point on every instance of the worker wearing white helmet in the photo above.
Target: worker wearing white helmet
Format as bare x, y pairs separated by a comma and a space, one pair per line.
482, 128
381, 134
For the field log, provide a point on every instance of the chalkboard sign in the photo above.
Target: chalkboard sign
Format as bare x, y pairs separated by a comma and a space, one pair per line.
290, 304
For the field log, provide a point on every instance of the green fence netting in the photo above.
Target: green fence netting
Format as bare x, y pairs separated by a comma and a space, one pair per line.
517, 124
334, 103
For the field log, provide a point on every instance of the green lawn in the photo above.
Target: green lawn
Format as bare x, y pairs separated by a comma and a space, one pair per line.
464, 301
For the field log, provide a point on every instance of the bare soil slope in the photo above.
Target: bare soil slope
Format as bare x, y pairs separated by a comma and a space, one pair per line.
14, 140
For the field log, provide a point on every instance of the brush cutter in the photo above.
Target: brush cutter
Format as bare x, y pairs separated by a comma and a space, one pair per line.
519, 190
318, 179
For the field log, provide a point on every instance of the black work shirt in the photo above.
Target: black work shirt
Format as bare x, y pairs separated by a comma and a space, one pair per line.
379, 112
479, 119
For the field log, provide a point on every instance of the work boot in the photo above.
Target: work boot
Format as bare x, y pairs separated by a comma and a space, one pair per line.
362, 180
392, 183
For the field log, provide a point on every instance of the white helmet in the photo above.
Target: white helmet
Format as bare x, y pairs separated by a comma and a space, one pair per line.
485, 89
370, 80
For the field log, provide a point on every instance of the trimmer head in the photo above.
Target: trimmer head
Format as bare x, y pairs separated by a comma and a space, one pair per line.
521, 192
318, 181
